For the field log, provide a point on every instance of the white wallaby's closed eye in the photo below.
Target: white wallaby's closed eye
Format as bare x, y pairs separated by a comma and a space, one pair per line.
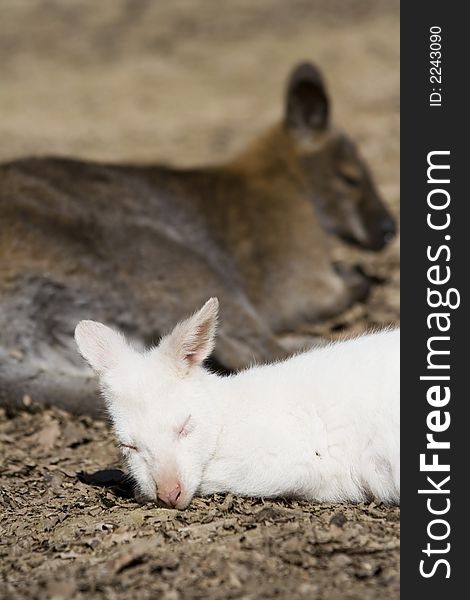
323, 425
185, 428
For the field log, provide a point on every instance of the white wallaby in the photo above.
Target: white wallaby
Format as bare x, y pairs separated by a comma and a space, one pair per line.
322, 425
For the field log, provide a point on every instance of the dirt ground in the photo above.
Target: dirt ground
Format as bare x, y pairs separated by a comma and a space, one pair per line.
63, 538
187, 82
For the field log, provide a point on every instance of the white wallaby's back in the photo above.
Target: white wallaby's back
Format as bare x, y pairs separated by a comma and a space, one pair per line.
323, 425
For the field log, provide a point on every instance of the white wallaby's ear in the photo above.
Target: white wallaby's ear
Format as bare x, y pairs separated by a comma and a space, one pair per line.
192, 340
99, 345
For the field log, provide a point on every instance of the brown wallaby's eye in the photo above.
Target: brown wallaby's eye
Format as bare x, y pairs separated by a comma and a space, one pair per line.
184, 428
349, 179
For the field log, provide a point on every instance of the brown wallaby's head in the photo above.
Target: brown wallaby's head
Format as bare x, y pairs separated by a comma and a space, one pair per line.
342, 188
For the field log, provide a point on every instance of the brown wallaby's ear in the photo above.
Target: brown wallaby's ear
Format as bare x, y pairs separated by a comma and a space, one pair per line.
307, 104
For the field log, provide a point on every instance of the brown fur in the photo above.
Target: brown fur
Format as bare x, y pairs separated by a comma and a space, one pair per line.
141, 246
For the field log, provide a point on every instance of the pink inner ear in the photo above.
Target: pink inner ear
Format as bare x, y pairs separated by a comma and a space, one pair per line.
191, 357
192, 340
198, 346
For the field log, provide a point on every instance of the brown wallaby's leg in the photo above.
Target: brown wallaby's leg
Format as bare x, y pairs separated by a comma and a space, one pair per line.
38, 357
341, 287
299, 293
358, 284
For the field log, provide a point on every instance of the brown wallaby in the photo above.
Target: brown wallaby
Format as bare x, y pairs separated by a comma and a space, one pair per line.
141, 246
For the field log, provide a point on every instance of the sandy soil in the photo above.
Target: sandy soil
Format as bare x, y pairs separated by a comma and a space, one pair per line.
187, 82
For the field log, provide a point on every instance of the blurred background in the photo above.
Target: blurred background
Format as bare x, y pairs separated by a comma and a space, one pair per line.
190, 81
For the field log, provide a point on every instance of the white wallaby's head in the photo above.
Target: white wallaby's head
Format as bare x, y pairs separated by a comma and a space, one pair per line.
159, 402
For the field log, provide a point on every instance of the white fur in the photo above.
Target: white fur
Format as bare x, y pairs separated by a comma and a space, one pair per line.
323, 425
